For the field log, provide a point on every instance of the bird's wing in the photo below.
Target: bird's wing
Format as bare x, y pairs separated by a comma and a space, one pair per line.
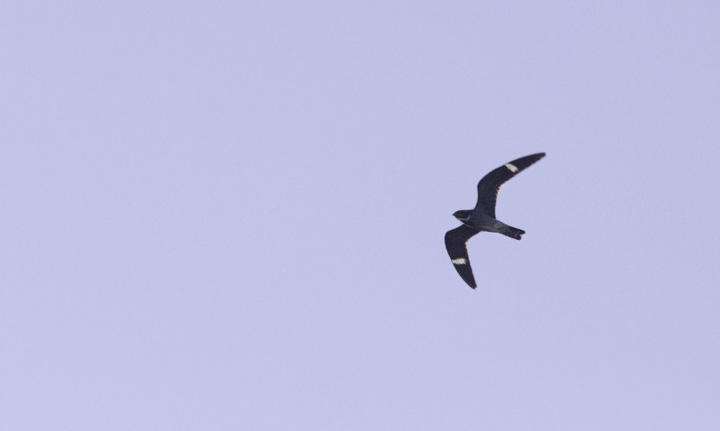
489, 186
455, 242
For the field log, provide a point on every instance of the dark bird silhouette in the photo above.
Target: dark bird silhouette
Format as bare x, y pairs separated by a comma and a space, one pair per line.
482, 217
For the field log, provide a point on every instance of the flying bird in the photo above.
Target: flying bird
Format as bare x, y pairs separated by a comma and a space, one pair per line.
482, 218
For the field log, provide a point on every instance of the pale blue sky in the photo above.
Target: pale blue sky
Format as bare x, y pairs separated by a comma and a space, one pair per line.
230, 215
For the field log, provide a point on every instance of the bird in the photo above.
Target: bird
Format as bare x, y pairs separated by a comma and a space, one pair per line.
482, 217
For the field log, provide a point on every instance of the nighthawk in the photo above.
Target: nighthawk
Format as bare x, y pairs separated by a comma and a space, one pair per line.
482, 218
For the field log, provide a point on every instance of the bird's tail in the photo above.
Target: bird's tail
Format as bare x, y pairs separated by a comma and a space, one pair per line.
513, 232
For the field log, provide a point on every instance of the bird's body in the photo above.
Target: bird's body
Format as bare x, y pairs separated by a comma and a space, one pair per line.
482, 217
480, 221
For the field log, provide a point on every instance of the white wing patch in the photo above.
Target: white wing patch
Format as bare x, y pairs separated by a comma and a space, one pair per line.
459, 261
511, 167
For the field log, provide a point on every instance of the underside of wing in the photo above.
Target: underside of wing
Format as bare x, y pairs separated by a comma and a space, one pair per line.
456, 244
489, 186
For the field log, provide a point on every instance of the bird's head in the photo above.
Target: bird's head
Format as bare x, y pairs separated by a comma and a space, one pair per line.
463, 215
